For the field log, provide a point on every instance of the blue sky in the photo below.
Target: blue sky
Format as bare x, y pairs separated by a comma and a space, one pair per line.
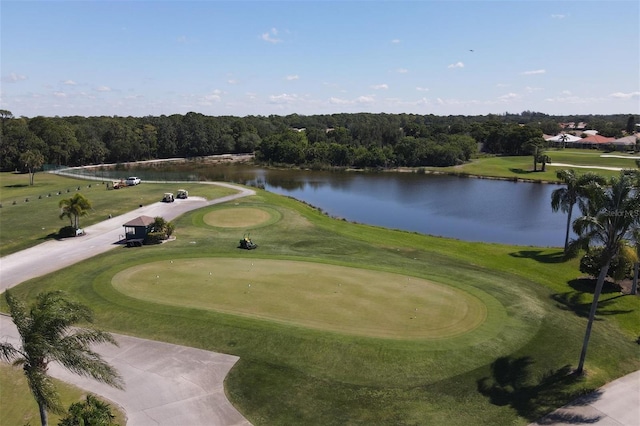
319, 57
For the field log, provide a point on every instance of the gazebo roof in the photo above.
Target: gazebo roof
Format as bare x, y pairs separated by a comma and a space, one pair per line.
140, 221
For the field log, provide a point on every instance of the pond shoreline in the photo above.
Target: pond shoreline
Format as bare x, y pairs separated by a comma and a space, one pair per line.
250, 159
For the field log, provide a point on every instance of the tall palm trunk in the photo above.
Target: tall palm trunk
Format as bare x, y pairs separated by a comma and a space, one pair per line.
44, 418
634, 287
592, 313
566, 234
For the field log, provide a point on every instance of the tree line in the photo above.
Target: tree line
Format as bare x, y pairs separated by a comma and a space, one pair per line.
358, 140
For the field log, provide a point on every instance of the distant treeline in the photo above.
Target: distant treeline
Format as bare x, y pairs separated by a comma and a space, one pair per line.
358, 140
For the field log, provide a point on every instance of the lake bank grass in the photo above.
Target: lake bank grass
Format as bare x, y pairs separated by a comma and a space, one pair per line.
291, 374
521, 167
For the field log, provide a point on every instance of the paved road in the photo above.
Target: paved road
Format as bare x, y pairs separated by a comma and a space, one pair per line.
615, 404
57, 254
166, 384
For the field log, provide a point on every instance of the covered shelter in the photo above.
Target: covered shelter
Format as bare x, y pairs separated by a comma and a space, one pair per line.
136, 230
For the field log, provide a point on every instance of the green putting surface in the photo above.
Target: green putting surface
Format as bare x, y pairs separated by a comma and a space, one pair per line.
238, 217
334, 298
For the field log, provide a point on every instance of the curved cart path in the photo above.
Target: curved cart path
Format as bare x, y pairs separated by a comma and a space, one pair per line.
165, 384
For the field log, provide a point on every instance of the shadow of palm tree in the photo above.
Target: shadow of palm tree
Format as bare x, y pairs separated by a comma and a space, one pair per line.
573, 301
520, 171
588, 285
540, 255
511, 385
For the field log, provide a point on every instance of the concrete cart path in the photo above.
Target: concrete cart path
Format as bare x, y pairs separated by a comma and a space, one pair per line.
615, 404
165, 384
57, 254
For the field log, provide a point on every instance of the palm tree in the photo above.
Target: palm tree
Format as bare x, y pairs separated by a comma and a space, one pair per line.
563, 138
47, 335
32, 160
565, 198
92, 412
608, 217
73, 208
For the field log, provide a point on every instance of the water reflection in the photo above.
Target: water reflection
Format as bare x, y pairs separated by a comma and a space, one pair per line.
462, 208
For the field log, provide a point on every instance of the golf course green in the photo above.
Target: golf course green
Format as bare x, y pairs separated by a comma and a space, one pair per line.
243, 217
326, 297
341, 323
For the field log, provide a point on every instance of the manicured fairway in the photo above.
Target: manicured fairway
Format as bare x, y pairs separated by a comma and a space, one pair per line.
328, 297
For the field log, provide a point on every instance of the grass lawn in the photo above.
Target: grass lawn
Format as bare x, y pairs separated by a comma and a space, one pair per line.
521, 167
26, 223
311, 356
19, 407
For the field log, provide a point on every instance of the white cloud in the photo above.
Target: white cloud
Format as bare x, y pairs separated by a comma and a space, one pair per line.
402, 70
620, 95
558, 16
502, 85
212, 97
422, 89
366, 99
270, 36
232, 81
534, 72
339, 101
571, 100
70, 83
380, 87
182, 39
566, 92
59, 94
529, 89
456, 65
395, 41
103, 89
14, 78
292, 77
283, 98
509, 96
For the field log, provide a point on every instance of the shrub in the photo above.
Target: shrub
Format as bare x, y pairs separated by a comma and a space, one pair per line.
155, 238
67, 231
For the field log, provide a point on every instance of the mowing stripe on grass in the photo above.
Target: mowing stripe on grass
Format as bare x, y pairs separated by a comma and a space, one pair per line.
321, 296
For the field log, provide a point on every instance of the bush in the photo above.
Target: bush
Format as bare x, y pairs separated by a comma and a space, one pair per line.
67, 231
155, 238
591, 263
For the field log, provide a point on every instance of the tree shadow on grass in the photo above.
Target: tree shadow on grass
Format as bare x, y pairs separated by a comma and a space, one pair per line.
511, 385
520, 171
540, 255
575, 301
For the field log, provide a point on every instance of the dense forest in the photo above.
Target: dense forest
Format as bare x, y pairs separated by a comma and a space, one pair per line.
354, 140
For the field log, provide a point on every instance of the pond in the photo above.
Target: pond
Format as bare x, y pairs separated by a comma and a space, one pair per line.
456, 207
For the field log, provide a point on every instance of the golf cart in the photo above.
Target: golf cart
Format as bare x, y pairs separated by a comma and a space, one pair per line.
183, 194
247, 244
168, 198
